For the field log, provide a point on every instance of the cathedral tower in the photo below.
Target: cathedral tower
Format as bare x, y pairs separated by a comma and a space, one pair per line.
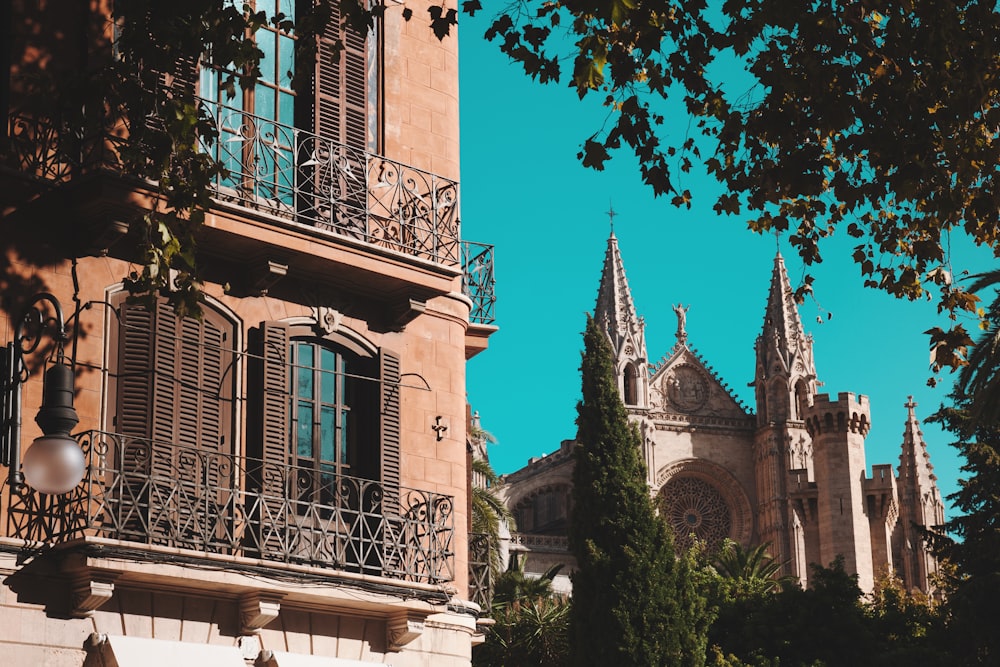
615, 313
838, 428
784, 384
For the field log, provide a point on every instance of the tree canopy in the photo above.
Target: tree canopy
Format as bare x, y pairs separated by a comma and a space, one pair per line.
878, 118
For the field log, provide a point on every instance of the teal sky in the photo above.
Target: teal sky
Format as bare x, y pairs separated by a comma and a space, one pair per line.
524, 191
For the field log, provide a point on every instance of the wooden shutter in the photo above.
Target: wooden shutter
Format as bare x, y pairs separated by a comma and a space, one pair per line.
389, 411
268, 404
341, 107
174, 402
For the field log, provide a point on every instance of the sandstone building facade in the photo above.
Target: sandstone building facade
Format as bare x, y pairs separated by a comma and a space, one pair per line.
791, 474
283, 481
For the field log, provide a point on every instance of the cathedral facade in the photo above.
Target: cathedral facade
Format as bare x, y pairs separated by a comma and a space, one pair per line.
790, 474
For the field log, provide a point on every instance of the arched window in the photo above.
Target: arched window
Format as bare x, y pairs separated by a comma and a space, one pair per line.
801, 399
631, 382
321, 409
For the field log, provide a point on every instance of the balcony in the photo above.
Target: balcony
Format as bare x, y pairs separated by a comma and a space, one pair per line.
288, 178
155, 498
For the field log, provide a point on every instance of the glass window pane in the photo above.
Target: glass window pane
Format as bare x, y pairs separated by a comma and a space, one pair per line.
331, 375
343, 438
264, 107
265, 42
305, 370
286, 61
328, 433
304, 431
286, 114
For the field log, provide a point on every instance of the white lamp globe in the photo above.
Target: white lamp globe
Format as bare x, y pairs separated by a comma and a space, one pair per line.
54, 464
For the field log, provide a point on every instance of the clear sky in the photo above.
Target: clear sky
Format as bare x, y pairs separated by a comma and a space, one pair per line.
524, 191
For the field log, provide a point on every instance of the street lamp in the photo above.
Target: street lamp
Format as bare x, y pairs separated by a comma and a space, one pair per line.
54, 463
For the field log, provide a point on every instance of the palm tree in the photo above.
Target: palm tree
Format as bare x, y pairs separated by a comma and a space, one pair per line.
979, 380
489, 513
751, 571
514, 585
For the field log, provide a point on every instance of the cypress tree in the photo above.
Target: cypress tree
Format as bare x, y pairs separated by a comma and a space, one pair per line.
634, 602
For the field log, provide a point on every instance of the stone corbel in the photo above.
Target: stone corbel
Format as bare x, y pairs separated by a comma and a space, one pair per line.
402, 629
265, 274
257, 610
406, 312
88, 595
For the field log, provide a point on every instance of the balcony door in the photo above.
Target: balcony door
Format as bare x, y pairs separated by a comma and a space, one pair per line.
325, 427
297, 150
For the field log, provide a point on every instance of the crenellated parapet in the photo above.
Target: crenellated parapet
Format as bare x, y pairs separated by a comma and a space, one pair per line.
846, 414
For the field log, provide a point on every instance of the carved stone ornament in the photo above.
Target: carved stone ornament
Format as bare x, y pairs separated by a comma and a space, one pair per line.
686, 388
327, 319
326, 312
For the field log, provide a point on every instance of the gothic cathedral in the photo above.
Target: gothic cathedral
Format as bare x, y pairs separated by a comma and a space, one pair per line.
791, 475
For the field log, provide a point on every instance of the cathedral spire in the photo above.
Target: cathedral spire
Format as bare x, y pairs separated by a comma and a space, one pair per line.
920, 501
615, 310
782, 315
615, 314
783, 351
915, 469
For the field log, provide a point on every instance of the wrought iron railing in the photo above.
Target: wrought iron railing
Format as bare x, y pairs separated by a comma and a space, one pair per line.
277, 169
151, 493
293, 173
478, 282
480, 570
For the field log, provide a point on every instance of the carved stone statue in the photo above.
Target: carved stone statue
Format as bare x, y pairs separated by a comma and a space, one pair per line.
681, 312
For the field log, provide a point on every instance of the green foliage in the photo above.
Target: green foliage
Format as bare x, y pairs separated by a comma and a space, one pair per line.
748, 572
974, 551
530, 623
488, 510
830, 623
908, 626
634, 601
526, 632
514, 585
980, 380
879, 120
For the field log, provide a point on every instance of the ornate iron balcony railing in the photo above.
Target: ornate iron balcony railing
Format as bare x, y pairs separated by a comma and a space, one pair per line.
478, 282
284, 171
289, 172
152, 493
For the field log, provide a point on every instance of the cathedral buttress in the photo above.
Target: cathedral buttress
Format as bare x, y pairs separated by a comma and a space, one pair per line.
615, 313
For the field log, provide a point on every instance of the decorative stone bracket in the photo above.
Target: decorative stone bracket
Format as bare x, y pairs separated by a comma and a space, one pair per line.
402, 629
88, 595
257, 610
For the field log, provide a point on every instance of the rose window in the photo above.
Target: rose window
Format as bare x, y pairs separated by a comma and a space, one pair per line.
694, 507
